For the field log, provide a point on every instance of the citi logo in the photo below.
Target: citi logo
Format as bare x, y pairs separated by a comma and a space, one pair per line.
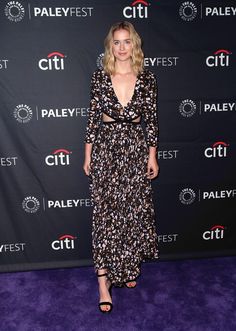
54, 61
219, 59
218, 149
216, 232
137, 9
64, 242
58, 157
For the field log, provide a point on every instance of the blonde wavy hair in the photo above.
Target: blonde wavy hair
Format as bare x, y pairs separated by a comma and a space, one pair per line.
137, 57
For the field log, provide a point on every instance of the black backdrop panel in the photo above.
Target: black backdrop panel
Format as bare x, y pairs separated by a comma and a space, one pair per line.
49, 50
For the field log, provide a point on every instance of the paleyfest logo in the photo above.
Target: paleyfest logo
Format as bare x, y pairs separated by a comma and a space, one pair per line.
63, 11
3, 64
160, 61
30, 204
220, 11
23, 113
167, 238
12, 247
54, 61
137, 9
14, 11
188, 11
99, 61
187, 195
187, 108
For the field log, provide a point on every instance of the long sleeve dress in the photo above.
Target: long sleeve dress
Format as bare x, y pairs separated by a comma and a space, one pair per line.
123, 224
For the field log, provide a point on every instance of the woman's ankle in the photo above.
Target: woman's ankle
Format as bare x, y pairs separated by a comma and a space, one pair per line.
101, 271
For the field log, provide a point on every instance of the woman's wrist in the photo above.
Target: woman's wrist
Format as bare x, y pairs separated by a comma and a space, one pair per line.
88, 151
152, 152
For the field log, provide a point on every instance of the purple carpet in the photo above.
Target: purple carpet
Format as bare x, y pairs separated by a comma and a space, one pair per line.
186, 295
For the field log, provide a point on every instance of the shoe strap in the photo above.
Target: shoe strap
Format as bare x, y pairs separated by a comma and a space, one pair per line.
102, 275
105, 303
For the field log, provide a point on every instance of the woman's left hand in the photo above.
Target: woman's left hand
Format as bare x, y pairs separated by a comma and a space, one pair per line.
152, 167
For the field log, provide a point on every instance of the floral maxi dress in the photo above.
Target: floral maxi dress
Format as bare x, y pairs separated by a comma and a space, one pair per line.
123, 224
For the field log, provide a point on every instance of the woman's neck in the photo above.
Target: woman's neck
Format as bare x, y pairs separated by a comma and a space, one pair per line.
123, 67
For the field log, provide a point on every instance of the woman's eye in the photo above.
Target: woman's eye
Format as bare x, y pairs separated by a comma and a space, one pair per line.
127, 41
116, 42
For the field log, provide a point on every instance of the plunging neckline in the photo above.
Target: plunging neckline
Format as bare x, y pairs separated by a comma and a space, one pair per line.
131, 99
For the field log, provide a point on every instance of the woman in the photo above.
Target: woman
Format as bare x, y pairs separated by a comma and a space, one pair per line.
121, 162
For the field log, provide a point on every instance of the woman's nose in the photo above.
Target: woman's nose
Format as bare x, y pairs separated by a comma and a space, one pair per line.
121, 46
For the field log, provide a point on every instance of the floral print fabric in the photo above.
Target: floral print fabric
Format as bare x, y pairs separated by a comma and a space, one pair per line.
123, 225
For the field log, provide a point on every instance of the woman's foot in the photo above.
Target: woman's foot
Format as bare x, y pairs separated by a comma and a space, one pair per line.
105, 302
131, 284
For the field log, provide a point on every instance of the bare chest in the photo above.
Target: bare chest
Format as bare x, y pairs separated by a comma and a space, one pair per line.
124, 88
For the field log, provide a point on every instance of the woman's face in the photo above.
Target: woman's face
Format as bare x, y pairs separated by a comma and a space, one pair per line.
122, 45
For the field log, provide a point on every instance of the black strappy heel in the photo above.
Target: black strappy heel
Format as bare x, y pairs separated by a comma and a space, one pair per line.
103, 303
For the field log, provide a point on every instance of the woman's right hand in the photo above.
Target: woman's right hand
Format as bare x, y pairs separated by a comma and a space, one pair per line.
87, 158
86, 166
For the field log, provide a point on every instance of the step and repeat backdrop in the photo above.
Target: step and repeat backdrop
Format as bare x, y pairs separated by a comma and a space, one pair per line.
49, 50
